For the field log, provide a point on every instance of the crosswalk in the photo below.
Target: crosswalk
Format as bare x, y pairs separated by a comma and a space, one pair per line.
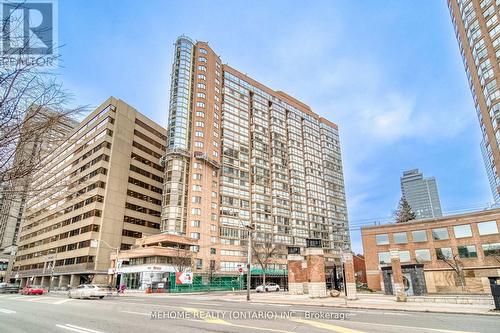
35, 299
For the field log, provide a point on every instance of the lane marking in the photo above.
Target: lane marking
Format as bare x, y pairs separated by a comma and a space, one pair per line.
325, 326
7, 311
137, 313
209, 304
75, 328
410, 327
62, 301
217, 321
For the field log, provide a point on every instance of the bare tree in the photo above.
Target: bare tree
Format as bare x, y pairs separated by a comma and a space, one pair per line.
183, 260
456, 265
33, 108
263, 253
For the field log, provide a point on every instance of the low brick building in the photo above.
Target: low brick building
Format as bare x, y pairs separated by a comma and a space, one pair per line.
467, 243
359, 268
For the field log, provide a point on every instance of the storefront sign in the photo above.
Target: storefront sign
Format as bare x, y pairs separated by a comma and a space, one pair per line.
183, 278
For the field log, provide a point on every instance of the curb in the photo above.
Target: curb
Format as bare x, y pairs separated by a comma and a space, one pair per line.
490, 313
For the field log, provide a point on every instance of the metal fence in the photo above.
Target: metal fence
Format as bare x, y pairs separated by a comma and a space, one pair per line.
207, 282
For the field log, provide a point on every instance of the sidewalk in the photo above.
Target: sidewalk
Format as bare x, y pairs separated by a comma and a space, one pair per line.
369, 301
364, 301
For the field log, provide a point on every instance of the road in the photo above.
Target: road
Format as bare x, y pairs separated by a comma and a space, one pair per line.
193, 313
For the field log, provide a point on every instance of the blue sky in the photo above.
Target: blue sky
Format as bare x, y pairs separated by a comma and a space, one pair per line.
388, 72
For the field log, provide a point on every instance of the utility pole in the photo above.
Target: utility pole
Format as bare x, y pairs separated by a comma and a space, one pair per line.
249, 260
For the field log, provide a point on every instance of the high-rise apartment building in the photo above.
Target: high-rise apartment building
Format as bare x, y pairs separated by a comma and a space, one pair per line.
422, 194
241, 154
478, 33
103, 191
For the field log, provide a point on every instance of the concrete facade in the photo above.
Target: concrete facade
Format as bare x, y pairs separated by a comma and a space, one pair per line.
470, 240
108, 194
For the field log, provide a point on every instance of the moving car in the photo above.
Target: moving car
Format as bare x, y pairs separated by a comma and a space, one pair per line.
33, 290
268, 287
91, 290
9, 288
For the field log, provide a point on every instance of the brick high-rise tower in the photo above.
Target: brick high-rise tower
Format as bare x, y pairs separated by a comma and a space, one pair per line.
478, 33
240, 154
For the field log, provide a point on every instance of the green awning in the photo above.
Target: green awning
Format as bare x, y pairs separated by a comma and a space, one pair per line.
270, 272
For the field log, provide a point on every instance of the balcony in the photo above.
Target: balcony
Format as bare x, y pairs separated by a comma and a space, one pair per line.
204, 157
173, 153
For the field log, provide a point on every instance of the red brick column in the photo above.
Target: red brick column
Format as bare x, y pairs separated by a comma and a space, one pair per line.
297, 276
316, 272
397, 275
350, 278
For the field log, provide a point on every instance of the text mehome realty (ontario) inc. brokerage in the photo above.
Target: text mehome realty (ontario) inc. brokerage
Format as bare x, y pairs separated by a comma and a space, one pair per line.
248, 315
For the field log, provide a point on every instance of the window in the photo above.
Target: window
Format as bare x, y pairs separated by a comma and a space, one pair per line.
197, 176
202, 68
444, 253
213, 239
384, 258
419, 236
202, 77
213, 250
200, 104
199, 263
404, 256
201, 85
462, 231
198, 144
440, 234
203, 51
196, 188
200, 124
195, 223
400, 238
196, 199
492, 249
215, 153
201, 95
487, 228
382, 239
202, 59
423, 255
199, 134
467, 251
195, 235
195, 211
200, 114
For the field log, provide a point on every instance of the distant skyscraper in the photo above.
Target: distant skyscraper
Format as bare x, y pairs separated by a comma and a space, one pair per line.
421, 193
477, 30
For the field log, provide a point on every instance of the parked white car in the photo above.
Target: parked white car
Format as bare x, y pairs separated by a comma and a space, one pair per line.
91, 290
268, 287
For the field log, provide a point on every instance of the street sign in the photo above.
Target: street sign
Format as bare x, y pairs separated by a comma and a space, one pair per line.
183, 278
161, 285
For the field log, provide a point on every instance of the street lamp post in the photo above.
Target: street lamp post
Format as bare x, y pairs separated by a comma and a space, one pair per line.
249, 260
117, 249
